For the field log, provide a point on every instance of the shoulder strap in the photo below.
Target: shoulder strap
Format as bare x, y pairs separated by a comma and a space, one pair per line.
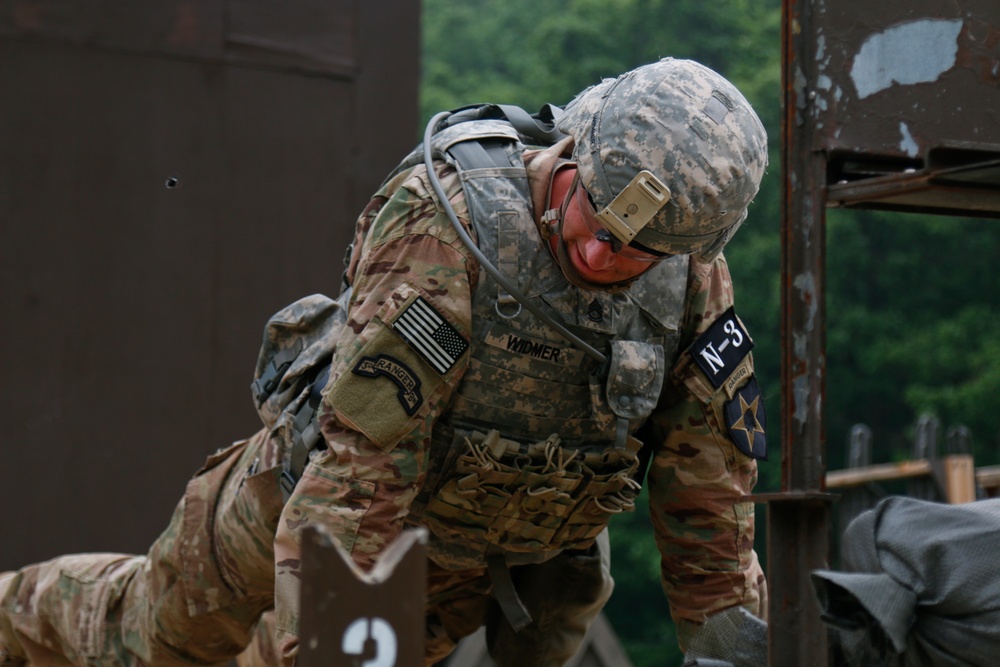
539, 127
480, 154
434, 125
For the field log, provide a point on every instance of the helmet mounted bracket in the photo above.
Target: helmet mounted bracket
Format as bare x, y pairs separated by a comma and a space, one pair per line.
635, 206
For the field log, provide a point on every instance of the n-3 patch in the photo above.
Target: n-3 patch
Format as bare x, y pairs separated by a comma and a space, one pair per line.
746, 420
722, 347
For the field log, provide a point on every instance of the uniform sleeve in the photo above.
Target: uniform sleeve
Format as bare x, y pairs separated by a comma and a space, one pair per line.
707, 433
403, 351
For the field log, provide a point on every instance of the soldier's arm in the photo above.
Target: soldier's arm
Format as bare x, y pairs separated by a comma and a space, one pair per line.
707, 433
393, 373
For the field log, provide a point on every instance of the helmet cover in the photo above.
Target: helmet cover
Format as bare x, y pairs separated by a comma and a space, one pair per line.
692, 130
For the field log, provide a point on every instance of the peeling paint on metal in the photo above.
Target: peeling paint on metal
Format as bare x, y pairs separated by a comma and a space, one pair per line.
906, 54
799, 345
806, 284
824, 84
908, 145
801, 391
800, 85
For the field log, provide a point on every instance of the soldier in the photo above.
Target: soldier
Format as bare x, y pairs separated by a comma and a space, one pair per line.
525, 336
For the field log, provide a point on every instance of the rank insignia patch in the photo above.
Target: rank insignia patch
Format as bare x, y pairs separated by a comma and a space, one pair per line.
595, 311
746, 420
430, 335
720, 350
405, 379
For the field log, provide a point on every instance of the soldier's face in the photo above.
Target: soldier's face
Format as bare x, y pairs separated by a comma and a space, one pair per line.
595, 254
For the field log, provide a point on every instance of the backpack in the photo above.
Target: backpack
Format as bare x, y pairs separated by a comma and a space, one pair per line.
293, 367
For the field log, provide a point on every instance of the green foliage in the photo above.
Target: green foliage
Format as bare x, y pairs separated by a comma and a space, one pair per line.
911, 310
529, 53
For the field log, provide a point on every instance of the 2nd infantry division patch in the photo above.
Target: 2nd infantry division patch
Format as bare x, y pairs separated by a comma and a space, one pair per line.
746, 420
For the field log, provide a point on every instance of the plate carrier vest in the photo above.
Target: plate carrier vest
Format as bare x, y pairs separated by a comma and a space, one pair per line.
536, 452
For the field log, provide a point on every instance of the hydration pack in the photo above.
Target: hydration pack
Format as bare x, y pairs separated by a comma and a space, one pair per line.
292, 368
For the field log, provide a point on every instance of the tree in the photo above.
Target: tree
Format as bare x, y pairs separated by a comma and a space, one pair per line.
911, 310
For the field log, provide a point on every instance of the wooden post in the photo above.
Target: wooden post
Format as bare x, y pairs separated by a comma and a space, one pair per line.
959, 478
351, 618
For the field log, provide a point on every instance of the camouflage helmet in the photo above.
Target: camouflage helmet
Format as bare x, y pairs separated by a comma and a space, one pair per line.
670, 153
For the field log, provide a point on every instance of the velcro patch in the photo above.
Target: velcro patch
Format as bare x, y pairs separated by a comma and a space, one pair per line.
746, 420
405, 379
720, 350
427, 332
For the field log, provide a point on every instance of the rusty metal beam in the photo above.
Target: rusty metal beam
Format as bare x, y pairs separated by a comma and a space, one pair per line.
796, 634
885, 106
798, 517
961, 191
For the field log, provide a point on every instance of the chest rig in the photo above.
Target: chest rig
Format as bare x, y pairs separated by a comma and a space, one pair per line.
536, 452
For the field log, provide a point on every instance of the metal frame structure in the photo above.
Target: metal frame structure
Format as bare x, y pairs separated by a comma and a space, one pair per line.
892, 106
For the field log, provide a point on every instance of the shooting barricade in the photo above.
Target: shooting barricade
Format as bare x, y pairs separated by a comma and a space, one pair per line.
355, 619
350, 618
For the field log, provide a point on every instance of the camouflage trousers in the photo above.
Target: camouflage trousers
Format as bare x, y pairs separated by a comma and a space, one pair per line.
194, 598
201, 593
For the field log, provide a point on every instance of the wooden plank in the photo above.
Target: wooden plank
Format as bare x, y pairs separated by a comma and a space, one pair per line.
882, 472
988, 477
958, 471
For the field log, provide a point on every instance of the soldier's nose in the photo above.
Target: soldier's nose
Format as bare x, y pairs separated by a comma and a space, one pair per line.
598, 255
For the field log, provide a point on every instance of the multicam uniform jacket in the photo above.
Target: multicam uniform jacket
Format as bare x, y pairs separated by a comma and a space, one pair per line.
449, 406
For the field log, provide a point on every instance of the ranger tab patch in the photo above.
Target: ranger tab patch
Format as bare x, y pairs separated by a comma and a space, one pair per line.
747, 422
720, 350
404, 378
430, 335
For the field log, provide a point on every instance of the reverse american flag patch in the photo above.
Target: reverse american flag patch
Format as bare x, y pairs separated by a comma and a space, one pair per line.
430, 335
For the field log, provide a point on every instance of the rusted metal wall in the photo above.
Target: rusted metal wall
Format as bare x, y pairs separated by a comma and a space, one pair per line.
132, 311
904, 98
890, 105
